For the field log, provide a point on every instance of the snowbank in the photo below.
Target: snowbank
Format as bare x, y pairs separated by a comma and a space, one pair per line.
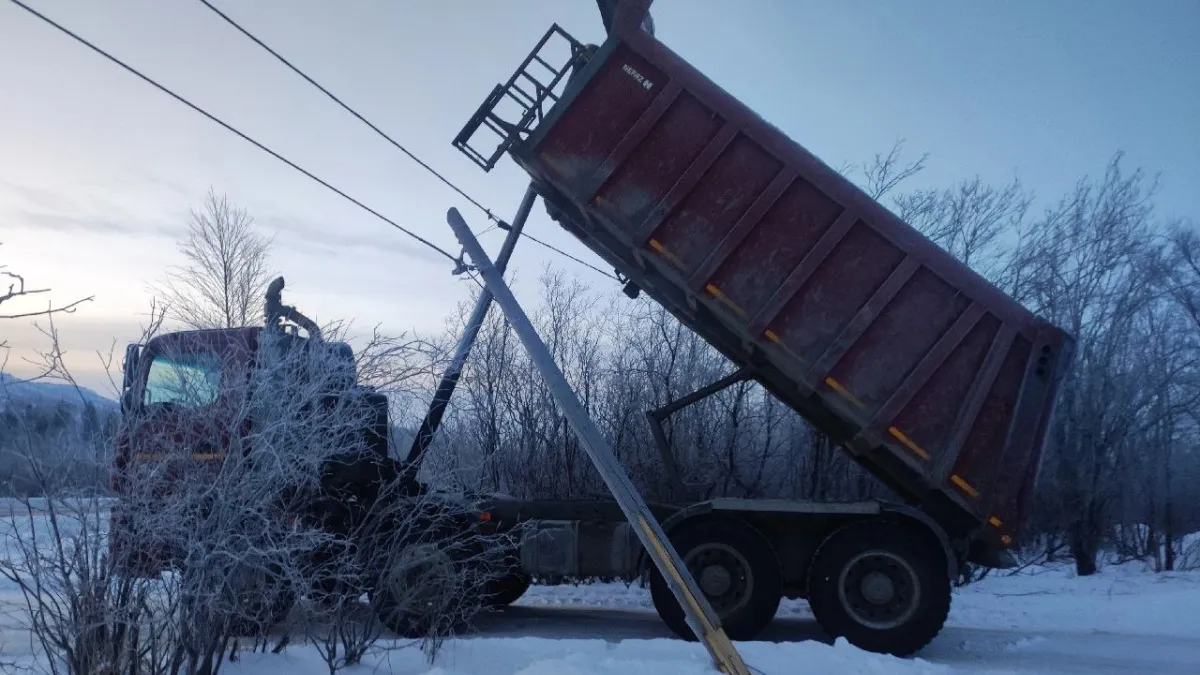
539, 656
1126, 599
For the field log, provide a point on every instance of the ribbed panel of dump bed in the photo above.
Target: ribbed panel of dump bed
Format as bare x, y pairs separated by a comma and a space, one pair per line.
944, 383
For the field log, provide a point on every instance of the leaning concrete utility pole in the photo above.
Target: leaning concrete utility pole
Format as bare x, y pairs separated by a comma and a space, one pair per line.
700, 615
445, 388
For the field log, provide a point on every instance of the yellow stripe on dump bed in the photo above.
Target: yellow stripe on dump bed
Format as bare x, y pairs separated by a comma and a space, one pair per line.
716, 293
908, 443
837, 386
964, 485
662, 250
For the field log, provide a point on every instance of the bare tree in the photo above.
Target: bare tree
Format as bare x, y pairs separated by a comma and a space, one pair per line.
83, 617
1092, 264
1178, 510
886, 172
1184, 238
17, 290
222, 282
969, 220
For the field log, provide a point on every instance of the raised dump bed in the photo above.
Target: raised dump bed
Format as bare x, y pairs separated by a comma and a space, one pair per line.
929, 375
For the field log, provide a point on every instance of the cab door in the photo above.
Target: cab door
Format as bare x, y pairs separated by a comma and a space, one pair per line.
187, 409
181, 414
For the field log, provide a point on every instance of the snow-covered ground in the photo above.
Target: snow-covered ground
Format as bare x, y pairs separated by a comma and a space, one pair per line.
1125, 619
1044, 621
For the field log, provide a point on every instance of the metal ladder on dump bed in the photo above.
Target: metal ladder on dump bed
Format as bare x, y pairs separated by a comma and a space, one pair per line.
511, 111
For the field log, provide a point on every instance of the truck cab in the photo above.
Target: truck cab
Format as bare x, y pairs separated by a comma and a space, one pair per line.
182, 396
178, 381
204, 408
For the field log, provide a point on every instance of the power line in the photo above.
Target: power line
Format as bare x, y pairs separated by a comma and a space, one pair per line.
556, 250
256, 40
348, 109
569, 256
233, 130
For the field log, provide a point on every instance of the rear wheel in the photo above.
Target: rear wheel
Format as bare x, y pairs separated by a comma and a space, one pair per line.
881, 585
736, 569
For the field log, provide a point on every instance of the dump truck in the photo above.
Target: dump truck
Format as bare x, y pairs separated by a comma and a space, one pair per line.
925, 373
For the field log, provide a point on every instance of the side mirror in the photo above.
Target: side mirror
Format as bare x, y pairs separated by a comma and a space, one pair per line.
127, 402
130, 367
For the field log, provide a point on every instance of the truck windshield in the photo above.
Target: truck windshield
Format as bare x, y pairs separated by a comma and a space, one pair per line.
189, 382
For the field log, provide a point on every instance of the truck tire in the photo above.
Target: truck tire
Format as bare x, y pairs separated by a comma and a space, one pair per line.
260, 615
735, 567
880, 584
423, 594
503, 591
246, 604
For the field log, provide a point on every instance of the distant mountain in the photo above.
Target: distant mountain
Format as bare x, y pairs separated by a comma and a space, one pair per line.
14, 390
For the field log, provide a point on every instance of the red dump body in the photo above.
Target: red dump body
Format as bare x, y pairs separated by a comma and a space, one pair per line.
931, 377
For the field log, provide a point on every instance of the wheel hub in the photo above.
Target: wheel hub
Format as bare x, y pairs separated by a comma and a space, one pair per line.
723, 574
715, 580
422, 580
879, 589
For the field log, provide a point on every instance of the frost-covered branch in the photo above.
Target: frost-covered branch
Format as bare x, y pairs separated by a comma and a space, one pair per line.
13, 289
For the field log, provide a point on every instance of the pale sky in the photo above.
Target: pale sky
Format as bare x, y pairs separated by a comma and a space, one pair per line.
98, 170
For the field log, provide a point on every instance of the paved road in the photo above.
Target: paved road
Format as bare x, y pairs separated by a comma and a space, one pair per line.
974, 650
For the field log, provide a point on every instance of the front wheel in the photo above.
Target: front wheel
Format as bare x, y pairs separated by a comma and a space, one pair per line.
422, 593
737, 570
881, 585
246, 601
503, 590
